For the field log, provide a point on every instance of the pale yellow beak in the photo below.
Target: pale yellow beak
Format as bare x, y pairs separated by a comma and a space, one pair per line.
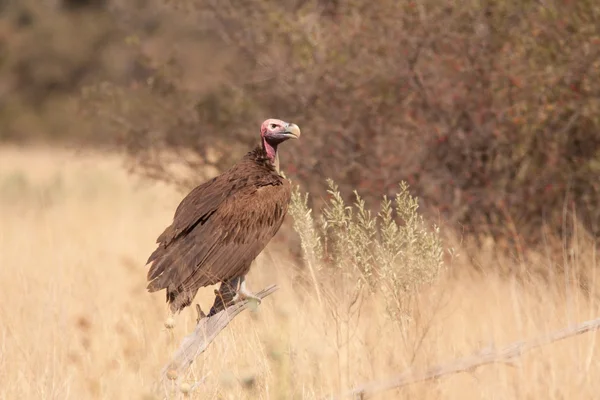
293, 131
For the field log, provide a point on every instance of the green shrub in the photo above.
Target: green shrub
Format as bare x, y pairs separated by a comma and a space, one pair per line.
393, 251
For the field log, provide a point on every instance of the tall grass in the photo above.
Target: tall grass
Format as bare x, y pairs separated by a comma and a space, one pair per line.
77, 323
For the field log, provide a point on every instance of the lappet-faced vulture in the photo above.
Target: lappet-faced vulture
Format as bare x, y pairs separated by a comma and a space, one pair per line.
221, 226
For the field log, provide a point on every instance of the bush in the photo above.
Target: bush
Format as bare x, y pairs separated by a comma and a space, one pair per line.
393, 252
48, 52
489, 110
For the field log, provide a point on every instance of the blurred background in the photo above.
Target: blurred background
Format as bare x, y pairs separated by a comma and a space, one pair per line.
488, 109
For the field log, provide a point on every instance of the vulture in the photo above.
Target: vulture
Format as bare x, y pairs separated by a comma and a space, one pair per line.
222, 225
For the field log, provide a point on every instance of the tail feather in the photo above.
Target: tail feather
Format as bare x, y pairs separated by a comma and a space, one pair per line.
172, 266
155, 269
179, 298
169, 271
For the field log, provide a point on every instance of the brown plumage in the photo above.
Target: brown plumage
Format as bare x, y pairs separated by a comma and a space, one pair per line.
221, 226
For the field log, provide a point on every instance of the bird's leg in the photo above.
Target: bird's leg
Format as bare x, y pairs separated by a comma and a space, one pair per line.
224, 296
244, 294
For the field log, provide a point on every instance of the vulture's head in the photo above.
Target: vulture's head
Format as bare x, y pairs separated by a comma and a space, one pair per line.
275, 131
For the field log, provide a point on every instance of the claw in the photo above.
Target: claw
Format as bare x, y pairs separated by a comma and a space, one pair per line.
200, 313
241, 293
249, 296
244, 294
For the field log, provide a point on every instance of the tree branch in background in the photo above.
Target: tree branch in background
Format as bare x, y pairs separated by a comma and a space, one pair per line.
483, 357
205, 332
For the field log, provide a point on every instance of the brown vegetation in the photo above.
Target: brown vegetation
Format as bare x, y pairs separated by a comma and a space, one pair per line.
489, 110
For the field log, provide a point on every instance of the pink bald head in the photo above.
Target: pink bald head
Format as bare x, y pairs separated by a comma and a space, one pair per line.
277, 128
275, 131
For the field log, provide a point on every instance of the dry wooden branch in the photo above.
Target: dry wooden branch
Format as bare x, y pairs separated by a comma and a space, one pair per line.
205, 332
483, 357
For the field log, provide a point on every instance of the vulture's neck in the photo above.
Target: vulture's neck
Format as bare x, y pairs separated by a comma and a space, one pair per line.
272, 154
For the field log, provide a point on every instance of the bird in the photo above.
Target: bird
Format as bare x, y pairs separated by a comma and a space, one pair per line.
222, 225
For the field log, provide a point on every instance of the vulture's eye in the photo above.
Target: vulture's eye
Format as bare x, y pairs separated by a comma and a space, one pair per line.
272, 126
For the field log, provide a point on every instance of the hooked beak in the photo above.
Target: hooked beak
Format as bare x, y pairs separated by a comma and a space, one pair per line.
292, 131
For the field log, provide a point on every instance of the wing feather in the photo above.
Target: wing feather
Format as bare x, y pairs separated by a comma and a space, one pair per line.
216, 234
196, 207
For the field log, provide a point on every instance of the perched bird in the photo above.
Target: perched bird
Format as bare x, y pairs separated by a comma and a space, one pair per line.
221, 226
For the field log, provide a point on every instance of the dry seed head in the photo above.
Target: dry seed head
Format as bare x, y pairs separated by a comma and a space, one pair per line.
249, 381
185, 388
170, 323
172, 374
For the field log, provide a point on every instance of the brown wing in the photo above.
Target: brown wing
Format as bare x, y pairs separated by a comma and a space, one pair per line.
220, 242
196, 207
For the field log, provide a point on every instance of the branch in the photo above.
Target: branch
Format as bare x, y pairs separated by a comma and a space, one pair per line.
205, 332
465, 364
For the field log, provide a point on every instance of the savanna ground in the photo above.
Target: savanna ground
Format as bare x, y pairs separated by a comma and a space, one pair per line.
76, 321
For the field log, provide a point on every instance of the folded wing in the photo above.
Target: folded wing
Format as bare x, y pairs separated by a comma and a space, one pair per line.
217, 231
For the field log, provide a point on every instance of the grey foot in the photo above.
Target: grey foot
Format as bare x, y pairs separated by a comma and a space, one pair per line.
244, 294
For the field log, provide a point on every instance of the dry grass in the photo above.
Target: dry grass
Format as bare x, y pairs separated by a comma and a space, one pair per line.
76, 321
